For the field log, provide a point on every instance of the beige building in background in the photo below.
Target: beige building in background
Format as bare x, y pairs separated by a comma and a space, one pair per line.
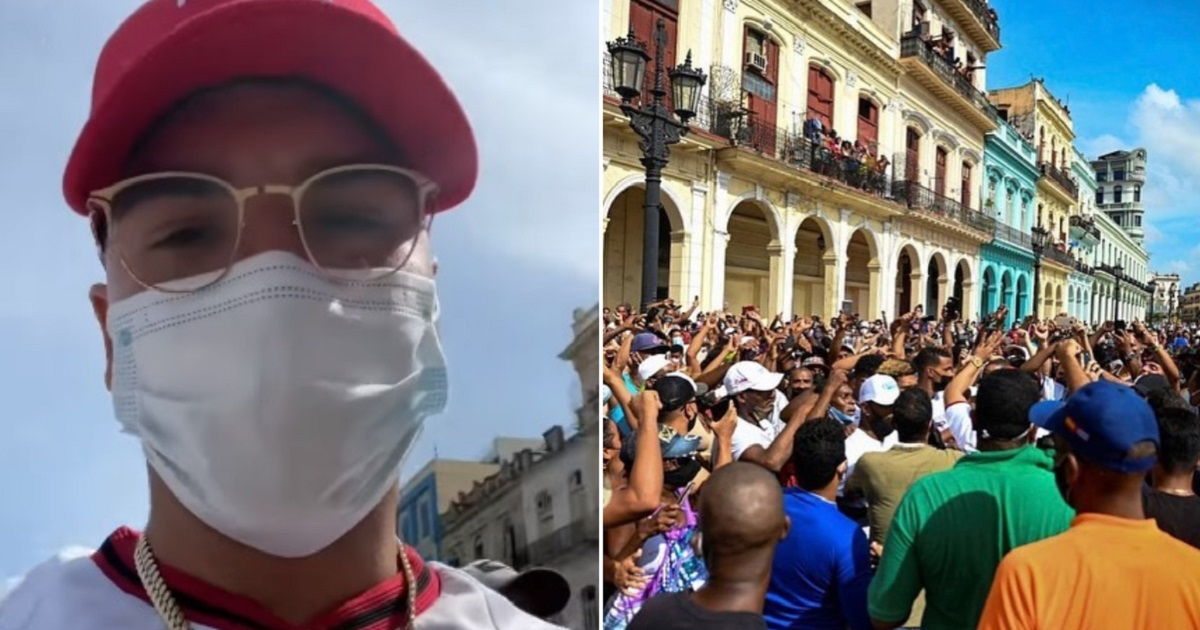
540, 507
749, 216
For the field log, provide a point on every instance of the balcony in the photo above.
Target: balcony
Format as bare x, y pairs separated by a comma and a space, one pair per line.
1013, 236
580, 532
1082, 267
796, 162
1061, 256
1085, 229
1061, 178
938, 76
978, 20
924, 201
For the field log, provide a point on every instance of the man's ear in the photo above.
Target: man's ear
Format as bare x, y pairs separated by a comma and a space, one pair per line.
98, 295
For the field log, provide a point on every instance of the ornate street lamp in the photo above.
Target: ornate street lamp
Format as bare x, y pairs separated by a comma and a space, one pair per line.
1040, 236
1117, 271
655, 124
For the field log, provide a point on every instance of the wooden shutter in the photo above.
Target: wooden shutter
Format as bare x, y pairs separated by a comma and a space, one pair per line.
868, 123
643, 18
965, 193
761, 91
912, 162
939, 173
820, 96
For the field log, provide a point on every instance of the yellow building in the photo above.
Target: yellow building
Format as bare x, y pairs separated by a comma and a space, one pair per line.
1046, 122
754, 212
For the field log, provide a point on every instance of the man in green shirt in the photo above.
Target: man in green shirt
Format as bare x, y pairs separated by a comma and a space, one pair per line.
952, 528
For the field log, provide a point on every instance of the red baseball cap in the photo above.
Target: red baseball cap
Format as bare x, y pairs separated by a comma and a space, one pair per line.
168, 49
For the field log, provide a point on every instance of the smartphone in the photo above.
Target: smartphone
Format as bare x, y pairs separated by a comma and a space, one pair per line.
1064, 322
1119, 324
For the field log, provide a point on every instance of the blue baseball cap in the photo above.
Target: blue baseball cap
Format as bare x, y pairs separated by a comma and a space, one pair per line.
1102, 422
648, 342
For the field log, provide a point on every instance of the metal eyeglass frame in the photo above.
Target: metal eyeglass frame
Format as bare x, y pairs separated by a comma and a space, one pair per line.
101, 201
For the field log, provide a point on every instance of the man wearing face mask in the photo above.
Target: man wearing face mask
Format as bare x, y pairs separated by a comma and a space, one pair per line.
1120, 570
260, 177
934, 368
873, 434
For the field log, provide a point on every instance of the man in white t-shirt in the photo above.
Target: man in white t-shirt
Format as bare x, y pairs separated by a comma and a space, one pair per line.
760, 437
873, 434
260, 178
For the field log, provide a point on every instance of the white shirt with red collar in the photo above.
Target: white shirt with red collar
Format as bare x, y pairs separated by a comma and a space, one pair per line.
103, 592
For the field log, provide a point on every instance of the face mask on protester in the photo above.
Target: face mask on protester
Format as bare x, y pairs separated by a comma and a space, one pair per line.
276, 404
683, 475
841, 416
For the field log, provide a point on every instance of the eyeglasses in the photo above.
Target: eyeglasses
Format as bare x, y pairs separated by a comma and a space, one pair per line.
180, 232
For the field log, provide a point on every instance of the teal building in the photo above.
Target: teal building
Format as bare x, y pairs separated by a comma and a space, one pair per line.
1006, 263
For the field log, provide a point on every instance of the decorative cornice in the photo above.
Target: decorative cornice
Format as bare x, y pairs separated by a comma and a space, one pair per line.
813, 12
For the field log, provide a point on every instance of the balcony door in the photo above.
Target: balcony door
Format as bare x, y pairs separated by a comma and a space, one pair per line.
868, 124
912, 159
965, 190
759, 83
643, 17
939, 173
820, 96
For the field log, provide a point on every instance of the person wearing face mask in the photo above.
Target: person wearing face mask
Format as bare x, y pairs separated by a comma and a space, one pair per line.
1120, 569
952, 528
799, 381
873, 434
934, 367
262, 213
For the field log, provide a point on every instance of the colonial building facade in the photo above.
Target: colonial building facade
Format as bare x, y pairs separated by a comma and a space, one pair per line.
753, 211
1007, 261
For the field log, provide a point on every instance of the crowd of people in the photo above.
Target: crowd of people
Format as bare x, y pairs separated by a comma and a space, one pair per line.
852, 162
772, 472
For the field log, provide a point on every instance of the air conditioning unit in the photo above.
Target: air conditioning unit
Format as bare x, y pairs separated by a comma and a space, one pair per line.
756, 61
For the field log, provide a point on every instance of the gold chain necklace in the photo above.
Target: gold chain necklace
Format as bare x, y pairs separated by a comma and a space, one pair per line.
168, 609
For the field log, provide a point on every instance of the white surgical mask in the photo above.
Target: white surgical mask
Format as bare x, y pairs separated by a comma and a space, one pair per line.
278, 405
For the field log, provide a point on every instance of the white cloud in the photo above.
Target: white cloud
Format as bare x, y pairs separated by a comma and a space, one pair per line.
1100, 145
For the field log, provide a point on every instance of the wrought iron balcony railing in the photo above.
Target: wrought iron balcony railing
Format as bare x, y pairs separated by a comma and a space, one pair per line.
1086, 225
913, 45
1083, 267
987, 16
1013, 236
925, 201
1059, 255
1061, 177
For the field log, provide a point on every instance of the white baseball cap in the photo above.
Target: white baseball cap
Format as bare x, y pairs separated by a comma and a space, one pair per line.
652, 365
747, 375
880, 389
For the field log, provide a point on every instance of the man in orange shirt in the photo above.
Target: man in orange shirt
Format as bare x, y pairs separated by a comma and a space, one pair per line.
1118, 568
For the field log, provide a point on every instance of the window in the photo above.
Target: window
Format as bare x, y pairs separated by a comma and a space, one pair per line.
868, 123
820, 96
1042, 144
1100, 197
1101, 176
1053, 151
939, 176
1116, 194
965, 190
425, 509
478, 548
1118, 176
1137, 220
643, 18
1137, 194
912, 152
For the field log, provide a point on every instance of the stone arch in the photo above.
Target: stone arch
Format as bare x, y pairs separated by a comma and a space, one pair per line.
674, 209
766, 27
863, 278
909, 287
774, 217
913, 118
624, 243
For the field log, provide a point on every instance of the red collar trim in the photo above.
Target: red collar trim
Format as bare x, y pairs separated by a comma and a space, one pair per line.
383, 607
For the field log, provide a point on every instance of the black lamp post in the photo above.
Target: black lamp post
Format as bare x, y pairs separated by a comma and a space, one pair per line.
655, 124
1153, 296
1117, 271
1040, 235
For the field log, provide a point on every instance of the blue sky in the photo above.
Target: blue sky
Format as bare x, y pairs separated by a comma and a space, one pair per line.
515, 260
1128, 71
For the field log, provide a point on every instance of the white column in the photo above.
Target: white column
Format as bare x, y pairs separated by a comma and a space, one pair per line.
695, 242
716, 287
787, 286
730, 34
704, 54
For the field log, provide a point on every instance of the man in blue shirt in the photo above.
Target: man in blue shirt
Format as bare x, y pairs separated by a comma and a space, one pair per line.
822, 569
